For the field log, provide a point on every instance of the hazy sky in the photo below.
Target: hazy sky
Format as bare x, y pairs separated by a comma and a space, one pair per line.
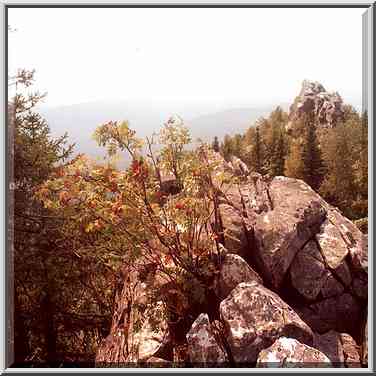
230, 57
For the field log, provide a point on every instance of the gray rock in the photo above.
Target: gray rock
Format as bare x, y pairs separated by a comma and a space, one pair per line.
254, 317
290, 353
233, 271
313, 98
308, 270
202, 345
280, 233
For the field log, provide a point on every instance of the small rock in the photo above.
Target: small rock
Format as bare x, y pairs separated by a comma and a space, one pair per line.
203, 348
290, 353
350, 351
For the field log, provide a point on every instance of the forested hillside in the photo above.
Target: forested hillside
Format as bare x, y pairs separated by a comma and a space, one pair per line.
322, 141
229, 254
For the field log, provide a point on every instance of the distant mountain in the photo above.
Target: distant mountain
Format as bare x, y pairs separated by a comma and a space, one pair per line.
80, 121
231, 121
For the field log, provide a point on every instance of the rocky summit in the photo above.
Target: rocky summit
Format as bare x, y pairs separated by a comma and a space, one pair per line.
290, 290
326, 107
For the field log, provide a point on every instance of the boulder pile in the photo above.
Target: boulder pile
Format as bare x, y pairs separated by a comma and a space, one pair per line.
291, 288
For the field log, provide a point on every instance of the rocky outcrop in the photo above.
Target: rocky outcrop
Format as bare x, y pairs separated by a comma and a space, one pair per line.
238, 166
203, 347
291, 266
326, 107
297, 241
254, 317
233, 270
288, 352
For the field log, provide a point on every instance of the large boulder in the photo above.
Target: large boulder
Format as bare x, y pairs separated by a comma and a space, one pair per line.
355, 240
290, 353
203, 347
235, 236
254, 317
296, 215
234, 270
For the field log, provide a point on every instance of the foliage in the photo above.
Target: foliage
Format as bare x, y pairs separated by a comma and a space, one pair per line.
60, 299
333, 161
313, 167
127, 218
215, 145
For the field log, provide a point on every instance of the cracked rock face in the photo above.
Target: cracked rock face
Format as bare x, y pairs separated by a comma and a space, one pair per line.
313, 98
254, 317
280, 233
203, 347
288, 353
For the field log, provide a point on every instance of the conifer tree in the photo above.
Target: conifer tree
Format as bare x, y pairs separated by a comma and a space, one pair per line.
258, 153
226, 147
294, 163
339, 184
215, 144
280, 153
313, 167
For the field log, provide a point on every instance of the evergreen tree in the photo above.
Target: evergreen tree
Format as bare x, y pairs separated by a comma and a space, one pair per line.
313, 167
294, 162
215, 144
258, 153
280, 153
338, 186
227, 148
48, 277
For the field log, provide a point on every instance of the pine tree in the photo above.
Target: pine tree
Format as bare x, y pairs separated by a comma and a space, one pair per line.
215, 144
339, 183
258, 153
294, 162
227, 148
280, 153
313, 167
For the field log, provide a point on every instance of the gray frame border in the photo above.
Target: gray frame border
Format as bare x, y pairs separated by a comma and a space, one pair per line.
6, 328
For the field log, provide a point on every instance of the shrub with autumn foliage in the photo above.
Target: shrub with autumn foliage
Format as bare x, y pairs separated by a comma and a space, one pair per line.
127, 218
